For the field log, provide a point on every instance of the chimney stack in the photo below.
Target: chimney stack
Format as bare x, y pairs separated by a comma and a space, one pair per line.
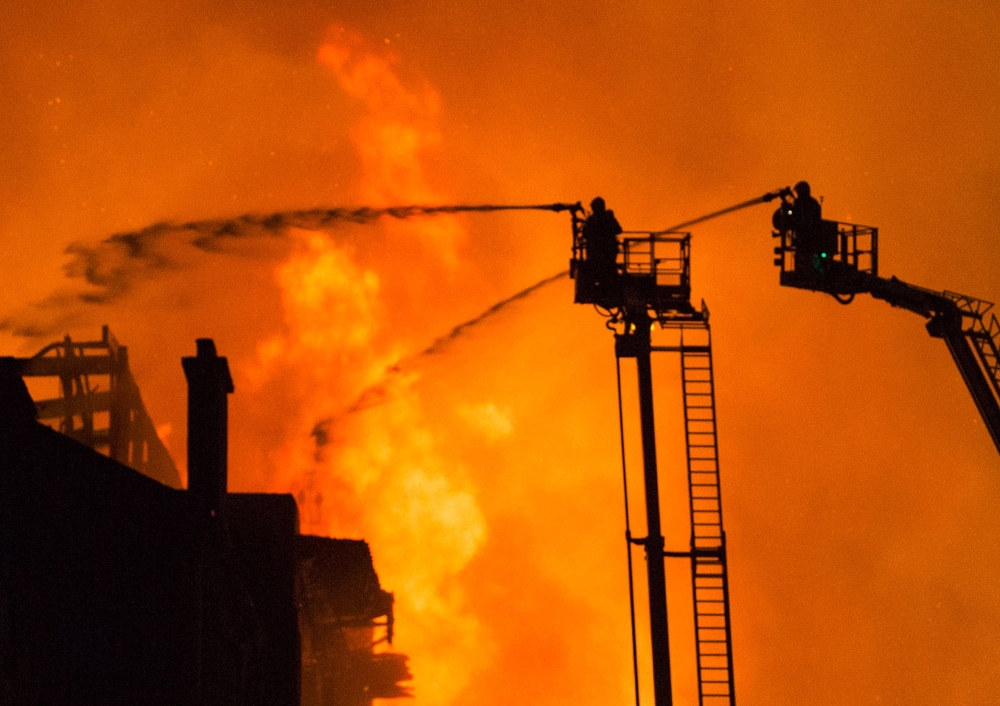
209, 384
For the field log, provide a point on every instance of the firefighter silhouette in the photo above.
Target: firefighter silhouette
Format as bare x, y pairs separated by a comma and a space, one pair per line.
815, 239
600, 234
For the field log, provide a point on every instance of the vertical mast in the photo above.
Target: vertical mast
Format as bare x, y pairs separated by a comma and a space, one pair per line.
655, 573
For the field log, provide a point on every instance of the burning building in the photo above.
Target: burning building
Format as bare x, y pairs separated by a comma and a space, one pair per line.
117, 586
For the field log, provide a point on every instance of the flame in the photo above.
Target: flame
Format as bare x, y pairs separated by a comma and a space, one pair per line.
855, 534
397, 125
489, 420
433, 465
379, 474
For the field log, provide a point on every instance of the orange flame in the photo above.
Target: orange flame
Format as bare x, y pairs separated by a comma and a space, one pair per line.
379, 475
396, 126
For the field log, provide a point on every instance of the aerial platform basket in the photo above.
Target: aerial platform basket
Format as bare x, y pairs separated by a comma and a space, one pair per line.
652, 269
837, 257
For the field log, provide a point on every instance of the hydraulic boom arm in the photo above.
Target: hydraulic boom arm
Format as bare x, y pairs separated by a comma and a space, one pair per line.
841, 259
970, 346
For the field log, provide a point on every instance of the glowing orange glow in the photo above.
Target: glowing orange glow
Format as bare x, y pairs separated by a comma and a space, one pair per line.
860, 489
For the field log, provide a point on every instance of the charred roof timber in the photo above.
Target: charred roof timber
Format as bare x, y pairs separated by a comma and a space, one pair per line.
97, 387
115, 588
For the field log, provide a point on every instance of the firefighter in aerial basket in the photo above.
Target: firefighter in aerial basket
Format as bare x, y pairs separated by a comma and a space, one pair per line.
600, 233
804, 217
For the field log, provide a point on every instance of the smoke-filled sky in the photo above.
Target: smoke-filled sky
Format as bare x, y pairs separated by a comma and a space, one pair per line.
859, 485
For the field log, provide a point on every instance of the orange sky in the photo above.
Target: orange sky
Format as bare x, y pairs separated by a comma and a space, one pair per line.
859, 485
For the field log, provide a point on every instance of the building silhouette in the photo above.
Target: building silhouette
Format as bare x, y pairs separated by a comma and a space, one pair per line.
118, 587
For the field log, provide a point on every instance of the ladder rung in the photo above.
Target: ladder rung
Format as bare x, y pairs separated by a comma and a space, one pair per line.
721, 639
705, 492
711, 593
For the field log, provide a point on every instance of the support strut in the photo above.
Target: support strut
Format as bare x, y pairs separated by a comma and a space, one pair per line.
638, 345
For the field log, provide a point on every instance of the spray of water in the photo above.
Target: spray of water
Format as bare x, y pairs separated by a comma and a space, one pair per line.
379, 393
104, 265
111, 268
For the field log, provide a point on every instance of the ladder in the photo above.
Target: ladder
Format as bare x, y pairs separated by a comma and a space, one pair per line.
984, 334
709, 575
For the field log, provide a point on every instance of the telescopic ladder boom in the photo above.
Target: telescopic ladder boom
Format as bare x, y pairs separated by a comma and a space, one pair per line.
847, 265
